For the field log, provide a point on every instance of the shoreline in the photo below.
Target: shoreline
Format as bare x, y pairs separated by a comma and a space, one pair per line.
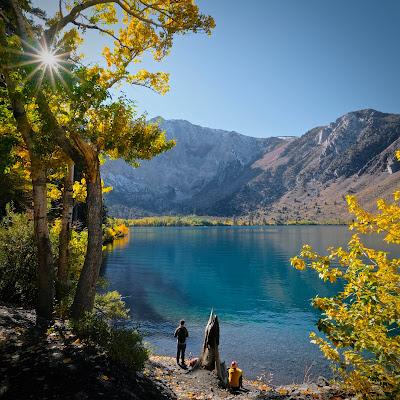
56, 364
212, 221
202, 384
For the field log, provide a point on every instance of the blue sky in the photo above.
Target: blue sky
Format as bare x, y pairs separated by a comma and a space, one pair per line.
278, 67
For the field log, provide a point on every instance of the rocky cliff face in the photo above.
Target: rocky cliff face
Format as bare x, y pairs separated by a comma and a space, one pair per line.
216, 172
202, 165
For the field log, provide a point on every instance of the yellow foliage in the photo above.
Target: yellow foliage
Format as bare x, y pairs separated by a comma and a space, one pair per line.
53, 193
114, 229
79, 190
361, 323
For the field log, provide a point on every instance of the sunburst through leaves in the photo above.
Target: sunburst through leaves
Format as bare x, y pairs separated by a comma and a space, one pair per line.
45, 62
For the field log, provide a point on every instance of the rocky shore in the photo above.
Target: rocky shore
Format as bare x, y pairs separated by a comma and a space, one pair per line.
54, 364
200, 384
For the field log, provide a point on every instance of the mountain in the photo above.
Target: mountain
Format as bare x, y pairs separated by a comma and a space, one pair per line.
215, 172
204, 165
308, 178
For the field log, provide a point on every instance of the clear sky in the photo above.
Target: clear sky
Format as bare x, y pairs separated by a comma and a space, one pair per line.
279, 67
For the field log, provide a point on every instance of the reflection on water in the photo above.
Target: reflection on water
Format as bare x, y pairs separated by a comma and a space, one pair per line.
119, 243
243, 273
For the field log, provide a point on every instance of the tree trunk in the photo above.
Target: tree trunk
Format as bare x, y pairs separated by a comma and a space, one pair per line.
86, 158
42, 238
86, 289
209, 358
45, 271
65, 233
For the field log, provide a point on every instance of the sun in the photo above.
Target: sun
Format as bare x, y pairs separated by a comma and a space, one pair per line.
47, 62
48, 58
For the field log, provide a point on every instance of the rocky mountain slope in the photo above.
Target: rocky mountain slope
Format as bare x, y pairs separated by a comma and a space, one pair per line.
216, 172
201, 169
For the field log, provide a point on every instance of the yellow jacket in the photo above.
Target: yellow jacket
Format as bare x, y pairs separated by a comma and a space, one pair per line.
234, 375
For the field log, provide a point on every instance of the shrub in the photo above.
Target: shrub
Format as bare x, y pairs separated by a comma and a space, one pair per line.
93, 329
124, 346
114, 229
18, 259
361, 323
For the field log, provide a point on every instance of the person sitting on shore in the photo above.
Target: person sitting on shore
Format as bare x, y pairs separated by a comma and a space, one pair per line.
181, 333
235, 377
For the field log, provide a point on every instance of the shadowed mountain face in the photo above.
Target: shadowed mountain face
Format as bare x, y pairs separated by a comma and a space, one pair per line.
216, 172
201, 169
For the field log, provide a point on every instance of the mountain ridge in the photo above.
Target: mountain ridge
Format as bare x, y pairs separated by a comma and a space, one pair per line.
217, 172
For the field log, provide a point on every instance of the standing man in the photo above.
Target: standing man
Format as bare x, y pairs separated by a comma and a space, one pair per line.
181, 333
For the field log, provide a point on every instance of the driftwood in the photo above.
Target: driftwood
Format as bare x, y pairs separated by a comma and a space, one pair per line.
209, 358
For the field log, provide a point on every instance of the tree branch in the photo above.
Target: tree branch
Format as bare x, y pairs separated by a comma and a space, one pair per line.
75, 12
95, 27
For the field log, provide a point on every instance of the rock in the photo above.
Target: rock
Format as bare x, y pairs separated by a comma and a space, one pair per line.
322, 381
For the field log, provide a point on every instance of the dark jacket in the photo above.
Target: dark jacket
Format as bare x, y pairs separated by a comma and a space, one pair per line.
181, 333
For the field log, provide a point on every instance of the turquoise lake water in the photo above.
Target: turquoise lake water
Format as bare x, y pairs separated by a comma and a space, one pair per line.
243, 273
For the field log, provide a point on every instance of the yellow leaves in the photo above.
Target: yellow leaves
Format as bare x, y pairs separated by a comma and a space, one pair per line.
365, 313
105, 13
298, 263
144, 30
283, 391
71, 39
56, 228
307, 252
107, 56
319, 302
105, 189
79, 191
386, 220
122, 229
329, 352
114, 230
158, 81
53, 193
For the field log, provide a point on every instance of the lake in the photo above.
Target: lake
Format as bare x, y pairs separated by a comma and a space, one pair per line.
244, 274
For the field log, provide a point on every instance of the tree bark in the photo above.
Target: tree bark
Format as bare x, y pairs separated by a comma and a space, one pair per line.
86, 158
44, 308
209, 358
65, 233
86, 289
42, 238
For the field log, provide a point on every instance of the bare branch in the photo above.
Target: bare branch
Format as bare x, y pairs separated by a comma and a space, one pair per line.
132, 13
50, 33
60, 8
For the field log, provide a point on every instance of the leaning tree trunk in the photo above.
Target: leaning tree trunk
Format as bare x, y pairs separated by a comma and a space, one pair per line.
42, 238
65, 233
86, 289
86, 158
209, 358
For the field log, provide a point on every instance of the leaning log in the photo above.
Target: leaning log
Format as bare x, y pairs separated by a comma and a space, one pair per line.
209, 358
